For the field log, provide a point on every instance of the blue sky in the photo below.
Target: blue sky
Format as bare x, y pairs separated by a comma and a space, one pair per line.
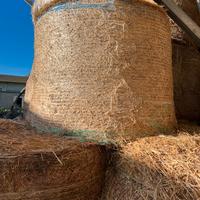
16, 38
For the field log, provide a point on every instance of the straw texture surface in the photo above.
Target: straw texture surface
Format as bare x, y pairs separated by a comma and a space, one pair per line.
44, 167
160, 168
102, 70
41, 6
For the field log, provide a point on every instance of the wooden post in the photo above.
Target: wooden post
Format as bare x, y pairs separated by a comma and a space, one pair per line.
29, 2
198, 4
183, 20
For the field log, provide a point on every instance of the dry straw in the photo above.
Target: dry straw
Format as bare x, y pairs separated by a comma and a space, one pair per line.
35, 166
41, 6
160, 168
102, 67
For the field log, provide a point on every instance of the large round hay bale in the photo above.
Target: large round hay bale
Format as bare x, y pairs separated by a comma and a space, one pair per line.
103, 67
186, 69
44, 167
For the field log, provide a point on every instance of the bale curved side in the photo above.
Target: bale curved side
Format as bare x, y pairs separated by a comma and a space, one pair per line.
102, 70
41, 6
34, 166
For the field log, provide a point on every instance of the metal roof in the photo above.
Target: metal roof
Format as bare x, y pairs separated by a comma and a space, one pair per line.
13, 79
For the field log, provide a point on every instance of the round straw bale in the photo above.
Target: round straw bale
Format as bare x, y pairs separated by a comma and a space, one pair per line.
159, 167
46, 167
186, 69
103, 68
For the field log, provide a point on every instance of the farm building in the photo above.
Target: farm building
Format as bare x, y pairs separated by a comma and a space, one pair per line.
10, 87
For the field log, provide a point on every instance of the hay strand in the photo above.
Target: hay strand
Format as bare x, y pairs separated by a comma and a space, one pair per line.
160, 167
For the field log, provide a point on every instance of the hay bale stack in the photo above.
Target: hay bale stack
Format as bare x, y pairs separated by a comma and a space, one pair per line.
34, 166
160, 167
102, 67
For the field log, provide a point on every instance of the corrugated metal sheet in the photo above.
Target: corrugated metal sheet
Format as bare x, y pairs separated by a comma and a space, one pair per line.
13, 79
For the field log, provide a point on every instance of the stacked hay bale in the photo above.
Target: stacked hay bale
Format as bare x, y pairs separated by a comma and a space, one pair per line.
42, 167
101, 68
186, 62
